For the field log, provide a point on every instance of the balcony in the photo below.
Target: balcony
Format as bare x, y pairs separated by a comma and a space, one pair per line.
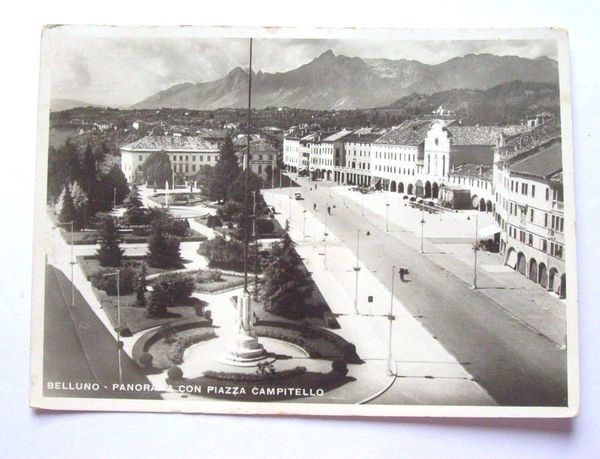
558, 205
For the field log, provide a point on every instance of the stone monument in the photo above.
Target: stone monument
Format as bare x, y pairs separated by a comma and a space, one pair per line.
244, 348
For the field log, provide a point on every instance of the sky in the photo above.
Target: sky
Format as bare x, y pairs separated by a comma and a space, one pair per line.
120, 71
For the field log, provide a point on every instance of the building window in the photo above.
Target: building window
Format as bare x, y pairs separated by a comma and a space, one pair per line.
533, 191
531, 215
141, 157
201, 158
546, 220
544, 244
547, 194
193, 168
530, 239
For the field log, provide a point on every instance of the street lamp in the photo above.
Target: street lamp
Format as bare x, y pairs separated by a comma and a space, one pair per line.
475, 250
304, 225
391, 318
117, 273
114, 198
255, 235
362, 203
356, 271
72, 263
387, 211
422, 228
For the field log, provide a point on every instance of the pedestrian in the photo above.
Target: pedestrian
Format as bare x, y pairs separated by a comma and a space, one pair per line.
314, 206
315, 186
329, 210
334, 206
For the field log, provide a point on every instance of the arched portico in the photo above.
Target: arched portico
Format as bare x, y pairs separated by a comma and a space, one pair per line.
400, 187
521, 264
543, 275
533, 270
435, 190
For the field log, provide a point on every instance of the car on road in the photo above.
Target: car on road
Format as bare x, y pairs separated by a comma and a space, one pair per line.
430, 203
405, 196
412, 199
298, 196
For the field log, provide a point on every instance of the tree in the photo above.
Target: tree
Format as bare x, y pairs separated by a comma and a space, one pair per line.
236, 188
224, 173
88, 167
80, 201
163, 249
140, 287
157, 169
286, 284
109, 253
157, 307
135, 214
67, 212
204, 177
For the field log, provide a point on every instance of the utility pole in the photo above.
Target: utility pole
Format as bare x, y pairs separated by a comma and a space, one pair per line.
387, 210
356, 271
475, 250
246, 175
391, 318
255, 244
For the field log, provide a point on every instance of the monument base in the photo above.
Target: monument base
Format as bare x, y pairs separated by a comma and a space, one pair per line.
245, 351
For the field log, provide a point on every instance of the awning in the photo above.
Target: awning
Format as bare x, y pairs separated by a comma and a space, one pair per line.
489, 231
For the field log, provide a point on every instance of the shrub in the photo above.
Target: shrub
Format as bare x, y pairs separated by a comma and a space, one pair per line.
175, 354
145, 360
167, 333
199, 310
339, 366
254, 377
140, 230
157, 307
264, 226
213, 221
207, 314
124, 331
101, 281
349, 351
178, 287
175, 373
208, 276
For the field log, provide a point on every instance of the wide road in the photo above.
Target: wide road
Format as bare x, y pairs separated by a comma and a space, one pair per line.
516, 365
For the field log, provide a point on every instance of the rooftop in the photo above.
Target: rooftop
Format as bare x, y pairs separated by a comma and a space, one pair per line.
481, 135
170, 143
337, 136
412, 132
543, 162
473, 170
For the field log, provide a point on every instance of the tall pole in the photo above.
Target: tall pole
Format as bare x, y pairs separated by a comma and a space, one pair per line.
387, 210
325, 240
114, 198
362, 203
255, 244
304, 225
119, 343
475, 250
422, 228
391, 319
72, 264
246, 175
356, 270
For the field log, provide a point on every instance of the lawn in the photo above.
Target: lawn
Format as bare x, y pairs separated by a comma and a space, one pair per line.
132, 315
179, 199
226, 282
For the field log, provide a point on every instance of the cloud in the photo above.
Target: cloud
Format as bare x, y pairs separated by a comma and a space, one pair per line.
118, 70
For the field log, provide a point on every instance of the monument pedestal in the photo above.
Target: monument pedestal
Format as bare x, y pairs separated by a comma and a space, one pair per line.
244, 350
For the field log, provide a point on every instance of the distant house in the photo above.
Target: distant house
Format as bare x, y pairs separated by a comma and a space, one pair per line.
262, 155
187, 155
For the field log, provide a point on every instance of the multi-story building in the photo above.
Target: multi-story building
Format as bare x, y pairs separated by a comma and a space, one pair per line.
326, 153
291, 151
355, 162
187, 155
478, 179
529, 205
263, 158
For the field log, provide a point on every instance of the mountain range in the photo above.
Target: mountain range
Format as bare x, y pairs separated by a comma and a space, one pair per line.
341, 82
57, 105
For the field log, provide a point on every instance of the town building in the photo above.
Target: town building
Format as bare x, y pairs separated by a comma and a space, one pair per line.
529, 205
187, 154
263, 157
326, 153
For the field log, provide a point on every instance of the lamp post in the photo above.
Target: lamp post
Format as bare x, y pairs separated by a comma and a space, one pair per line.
114, 198
72, 262
391, 318
475, 250
325, 234
422, 228
304, 225
356, 271
362, 203
167, 194
117, 273
387, 211
255, 236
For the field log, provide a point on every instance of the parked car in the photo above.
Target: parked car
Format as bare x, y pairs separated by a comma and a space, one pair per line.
405, 196
413, 199
431, 203
298, 196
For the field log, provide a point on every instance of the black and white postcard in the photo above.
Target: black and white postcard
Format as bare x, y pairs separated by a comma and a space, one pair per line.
305, 221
